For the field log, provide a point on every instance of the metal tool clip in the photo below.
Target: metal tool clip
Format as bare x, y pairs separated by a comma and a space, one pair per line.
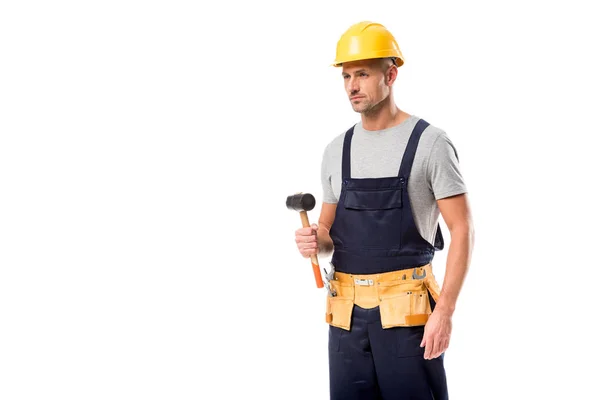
415, 276
329, 276
331, 291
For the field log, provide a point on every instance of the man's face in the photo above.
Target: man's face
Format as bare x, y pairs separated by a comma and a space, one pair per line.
366, 84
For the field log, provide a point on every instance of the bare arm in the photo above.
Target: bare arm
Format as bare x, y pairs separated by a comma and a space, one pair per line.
457, 216
325, 221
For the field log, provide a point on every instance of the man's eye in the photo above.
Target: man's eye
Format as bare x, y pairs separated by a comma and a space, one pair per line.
363, 74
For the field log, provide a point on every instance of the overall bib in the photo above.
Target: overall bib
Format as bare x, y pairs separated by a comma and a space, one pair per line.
374, 233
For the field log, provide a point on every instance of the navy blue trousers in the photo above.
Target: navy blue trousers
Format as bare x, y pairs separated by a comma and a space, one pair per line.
372, 363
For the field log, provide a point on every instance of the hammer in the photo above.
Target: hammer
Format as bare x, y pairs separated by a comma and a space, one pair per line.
304, 202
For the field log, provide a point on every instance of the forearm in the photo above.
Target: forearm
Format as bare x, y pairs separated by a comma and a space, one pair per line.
324, 242
457, 265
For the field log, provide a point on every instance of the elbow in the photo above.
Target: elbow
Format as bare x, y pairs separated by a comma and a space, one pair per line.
465, 231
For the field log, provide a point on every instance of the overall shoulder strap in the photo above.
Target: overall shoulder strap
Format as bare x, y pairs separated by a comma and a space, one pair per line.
346, 153
411, 148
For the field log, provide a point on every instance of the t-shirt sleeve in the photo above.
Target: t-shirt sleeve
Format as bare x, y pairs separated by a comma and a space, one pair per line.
443, 169
328, 194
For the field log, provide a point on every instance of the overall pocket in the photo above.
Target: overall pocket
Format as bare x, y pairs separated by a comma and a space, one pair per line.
374, 216
339, 307
373, 199
409, 342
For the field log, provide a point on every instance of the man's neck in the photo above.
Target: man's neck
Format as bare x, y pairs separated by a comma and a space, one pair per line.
387, 116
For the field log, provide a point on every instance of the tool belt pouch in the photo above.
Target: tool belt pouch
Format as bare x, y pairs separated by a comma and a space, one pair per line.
339, 307
433, 287
404, 303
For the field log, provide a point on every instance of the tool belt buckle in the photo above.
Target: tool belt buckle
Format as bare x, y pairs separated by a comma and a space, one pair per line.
363, 282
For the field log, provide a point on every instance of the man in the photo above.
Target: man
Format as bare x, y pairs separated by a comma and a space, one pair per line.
385, 182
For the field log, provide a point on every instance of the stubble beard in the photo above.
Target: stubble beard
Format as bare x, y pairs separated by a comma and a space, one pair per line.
362, 108
366, 108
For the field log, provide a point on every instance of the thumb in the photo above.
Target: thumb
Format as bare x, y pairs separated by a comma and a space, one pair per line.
423, 342
314, 226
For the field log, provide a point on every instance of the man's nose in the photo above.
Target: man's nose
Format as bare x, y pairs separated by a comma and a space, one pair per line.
353, 86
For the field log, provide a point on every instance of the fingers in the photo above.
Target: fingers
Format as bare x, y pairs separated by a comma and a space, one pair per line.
436, 351
429, 345
307, 249
306, 231
444, 342
306, 240
439, 344
303, 240
431, 342
427, 341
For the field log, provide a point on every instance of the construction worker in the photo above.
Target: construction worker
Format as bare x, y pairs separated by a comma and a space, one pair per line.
385, 182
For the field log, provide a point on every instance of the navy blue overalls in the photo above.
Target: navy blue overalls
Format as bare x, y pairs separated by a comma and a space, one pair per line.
373, 232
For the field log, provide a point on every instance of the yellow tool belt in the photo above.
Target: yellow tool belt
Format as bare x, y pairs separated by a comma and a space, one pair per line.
402, 296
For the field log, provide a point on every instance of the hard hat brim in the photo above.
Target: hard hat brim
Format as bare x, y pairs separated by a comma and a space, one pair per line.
399, 61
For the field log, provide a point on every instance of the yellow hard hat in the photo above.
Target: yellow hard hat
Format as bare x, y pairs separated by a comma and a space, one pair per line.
365, 40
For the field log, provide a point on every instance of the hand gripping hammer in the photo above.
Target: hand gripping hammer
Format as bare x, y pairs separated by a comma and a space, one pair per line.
304, 202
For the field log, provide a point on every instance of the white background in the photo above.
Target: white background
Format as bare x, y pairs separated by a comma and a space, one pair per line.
147, 148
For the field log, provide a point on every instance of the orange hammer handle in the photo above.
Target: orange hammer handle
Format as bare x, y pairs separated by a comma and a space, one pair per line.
313, 257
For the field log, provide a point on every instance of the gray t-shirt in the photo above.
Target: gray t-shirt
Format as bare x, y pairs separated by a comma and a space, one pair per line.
435, 172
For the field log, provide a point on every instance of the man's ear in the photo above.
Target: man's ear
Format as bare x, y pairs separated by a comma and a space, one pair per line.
391, 75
